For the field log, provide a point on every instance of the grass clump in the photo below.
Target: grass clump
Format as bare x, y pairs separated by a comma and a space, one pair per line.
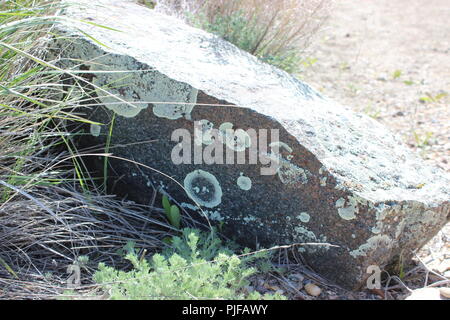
277, 32
51, 212
195, 267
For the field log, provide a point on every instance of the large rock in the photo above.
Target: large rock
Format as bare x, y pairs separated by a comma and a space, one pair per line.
339, 177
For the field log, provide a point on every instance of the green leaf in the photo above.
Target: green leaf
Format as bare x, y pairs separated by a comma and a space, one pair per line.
425, 99
408, 82
175, 216
166, 205
440, 96
397, 74
8, 268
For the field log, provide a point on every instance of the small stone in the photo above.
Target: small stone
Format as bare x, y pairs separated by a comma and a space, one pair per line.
297, 277
313, 290
445, 292
443, 266
272, 287
425, 294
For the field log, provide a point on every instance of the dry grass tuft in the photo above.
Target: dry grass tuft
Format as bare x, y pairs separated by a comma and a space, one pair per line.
50, 228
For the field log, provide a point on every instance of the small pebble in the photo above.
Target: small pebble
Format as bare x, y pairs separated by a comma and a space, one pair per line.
312, 290
443, 266
425, 294
297, 276
445, 292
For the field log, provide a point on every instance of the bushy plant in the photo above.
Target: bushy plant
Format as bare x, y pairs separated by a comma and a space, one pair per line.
182, 272
277, 32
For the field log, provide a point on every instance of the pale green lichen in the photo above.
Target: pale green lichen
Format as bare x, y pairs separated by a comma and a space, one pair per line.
189, 206
214, 215
347, 209
203, 133
376, 230
237, 140
249, 219
290, 173
203, 188
277, 145
95, 129
245, 183
303, 235
412, 216
304, 217
381, 214
372, 244
224, 127
127, 93
417, 219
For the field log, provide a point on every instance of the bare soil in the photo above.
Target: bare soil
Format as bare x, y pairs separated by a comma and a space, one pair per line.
391, 60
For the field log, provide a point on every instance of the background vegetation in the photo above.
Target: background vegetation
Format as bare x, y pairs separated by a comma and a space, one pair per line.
277, 32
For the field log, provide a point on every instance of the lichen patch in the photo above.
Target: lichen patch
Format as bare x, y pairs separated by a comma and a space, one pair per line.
290, 173
277, 145
214, 215
304, 217
127, 93
239, 140
245, 183
95, 129
347, 209
203, 188
372, 244
203, 134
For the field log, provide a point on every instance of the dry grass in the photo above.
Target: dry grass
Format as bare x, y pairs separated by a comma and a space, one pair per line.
278, 32
51, 213
43, 233
281, 24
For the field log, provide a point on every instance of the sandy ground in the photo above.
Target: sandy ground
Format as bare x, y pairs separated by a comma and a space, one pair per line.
391, 60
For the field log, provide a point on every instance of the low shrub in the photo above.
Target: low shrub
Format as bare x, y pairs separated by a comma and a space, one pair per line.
196, 267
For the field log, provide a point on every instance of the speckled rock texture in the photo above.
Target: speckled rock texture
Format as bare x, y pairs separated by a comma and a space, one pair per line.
341, 179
